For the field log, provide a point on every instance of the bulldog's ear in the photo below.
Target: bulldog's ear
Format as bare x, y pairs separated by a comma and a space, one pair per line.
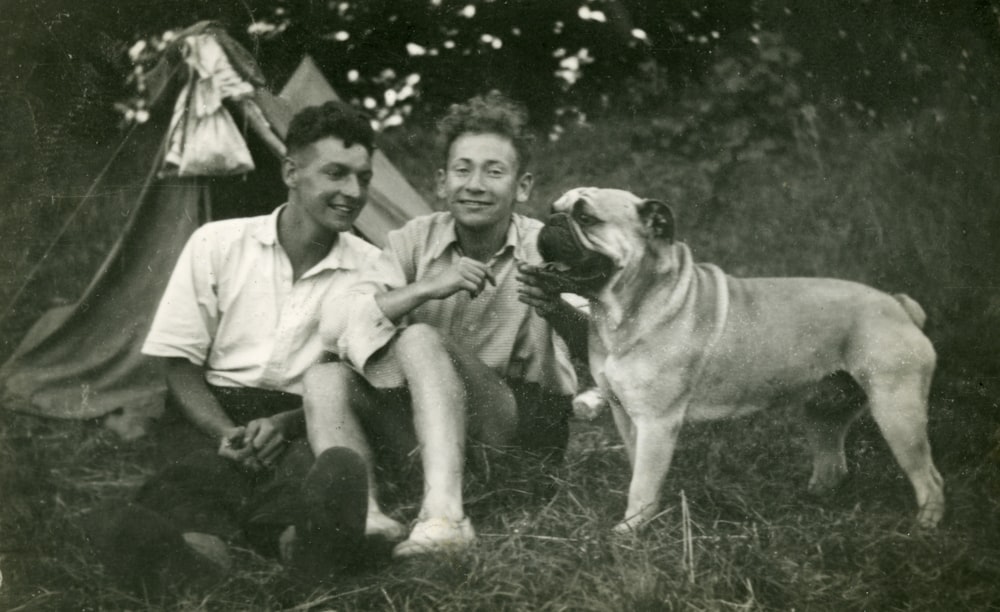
658, 218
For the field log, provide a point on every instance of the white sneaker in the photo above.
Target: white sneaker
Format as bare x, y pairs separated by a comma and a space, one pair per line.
436, 535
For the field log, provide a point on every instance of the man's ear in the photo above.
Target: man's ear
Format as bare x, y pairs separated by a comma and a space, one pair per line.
289, 172
524, 185
658, 218
439, 178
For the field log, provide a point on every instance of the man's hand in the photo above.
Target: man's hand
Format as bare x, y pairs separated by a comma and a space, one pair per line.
255, 446
464, 275
534, 292
234, 446
537, 291
267, 439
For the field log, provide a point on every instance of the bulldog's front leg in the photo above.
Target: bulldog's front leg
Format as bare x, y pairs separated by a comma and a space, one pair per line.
626, 429
655, 440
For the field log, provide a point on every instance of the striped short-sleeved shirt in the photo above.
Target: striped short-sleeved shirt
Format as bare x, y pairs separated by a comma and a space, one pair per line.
504, 333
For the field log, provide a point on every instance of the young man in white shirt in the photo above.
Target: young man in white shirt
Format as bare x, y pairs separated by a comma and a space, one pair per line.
448, 336
237, 328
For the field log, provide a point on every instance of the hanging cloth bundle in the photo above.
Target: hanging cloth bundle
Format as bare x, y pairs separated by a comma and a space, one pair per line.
204, 138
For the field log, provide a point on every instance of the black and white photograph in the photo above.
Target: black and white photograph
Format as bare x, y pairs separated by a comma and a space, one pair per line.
464, 305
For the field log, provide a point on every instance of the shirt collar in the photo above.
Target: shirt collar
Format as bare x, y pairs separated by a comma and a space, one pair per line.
340, 257
448, 237
266, 231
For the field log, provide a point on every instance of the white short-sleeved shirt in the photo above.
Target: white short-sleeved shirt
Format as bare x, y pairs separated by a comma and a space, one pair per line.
231, 305
503, 332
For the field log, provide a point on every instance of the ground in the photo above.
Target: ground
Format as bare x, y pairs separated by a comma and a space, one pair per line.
738, 529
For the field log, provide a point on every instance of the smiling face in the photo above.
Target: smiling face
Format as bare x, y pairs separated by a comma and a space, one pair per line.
328, 183
481, 182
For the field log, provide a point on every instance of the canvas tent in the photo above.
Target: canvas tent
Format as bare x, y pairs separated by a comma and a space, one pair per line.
82, 361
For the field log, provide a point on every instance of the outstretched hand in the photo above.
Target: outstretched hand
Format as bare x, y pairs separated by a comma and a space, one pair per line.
542, 290
535, 291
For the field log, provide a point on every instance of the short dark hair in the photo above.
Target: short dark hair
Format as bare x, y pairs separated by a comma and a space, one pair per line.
333, 118
493, 113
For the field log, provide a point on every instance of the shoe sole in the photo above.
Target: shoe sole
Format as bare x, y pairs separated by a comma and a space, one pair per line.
331, 527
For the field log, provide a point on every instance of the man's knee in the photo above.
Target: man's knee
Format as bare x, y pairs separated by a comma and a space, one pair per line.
421, 341
325, 381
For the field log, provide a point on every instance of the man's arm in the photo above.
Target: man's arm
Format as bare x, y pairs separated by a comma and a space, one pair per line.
186, 382
464, 275
259, 442
571, 324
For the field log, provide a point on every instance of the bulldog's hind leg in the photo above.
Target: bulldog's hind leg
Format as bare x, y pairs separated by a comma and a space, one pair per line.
897, 390
829, 410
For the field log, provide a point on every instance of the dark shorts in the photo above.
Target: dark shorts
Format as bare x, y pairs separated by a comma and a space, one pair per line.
201, 491
542, 425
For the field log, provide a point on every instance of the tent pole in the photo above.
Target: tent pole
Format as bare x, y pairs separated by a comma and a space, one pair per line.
62, 230
259, 124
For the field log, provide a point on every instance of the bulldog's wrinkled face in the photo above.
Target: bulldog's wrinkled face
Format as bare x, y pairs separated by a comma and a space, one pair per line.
594, 233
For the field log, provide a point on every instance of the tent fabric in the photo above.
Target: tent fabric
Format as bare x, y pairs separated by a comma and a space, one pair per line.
82, 361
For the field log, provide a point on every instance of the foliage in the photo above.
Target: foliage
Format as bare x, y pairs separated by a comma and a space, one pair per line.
747, 107
566, 59
376, 53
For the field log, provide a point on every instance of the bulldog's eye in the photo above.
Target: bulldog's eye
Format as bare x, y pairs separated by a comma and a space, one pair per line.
584, 219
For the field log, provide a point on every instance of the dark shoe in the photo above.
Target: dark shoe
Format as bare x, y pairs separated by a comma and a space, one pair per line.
330, 529
147, 553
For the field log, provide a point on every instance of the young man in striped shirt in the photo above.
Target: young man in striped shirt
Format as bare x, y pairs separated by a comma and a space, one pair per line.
448, 336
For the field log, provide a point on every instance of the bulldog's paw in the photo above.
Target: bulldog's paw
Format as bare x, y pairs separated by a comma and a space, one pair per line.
826, 477
589, 404
930, 515
631, 525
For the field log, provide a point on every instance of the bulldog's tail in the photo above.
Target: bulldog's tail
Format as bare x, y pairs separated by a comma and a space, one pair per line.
912, 308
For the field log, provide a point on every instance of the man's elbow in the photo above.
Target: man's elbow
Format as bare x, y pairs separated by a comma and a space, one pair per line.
331, 329
182, 372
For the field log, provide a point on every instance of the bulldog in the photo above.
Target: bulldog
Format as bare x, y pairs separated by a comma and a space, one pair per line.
673, 340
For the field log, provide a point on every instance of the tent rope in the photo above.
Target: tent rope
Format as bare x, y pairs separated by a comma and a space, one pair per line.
65, 227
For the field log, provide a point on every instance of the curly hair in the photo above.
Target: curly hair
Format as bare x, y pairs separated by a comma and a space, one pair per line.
493, 113
333, 118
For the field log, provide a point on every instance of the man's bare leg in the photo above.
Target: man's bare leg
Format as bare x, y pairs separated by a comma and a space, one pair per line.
439, 418
334, 396
452, 393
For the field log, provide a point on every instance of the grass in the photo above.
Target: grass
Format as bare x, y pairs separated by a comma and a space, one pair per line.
906, 208
751, 538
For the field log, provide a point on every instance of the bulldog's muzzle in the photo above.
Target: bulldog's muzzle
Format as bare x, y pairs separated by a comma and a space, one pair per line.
571, 267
